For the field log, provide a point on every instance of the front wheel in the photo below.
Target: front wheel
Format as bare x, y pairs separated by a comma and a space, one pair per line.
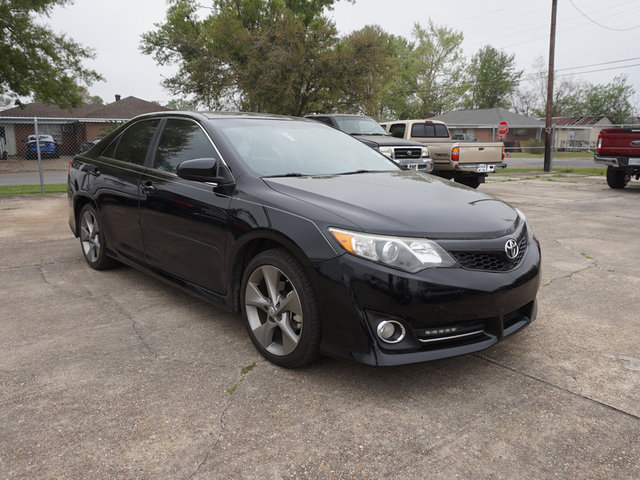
92, 240
617, 178
280, 309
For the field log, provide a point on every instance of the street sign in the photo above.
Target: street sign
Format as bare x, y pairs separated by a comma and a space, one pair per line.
503, 128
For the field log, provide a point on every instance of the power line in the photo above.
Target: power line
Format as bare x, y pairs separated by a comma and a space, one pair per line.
568, 22
601, 70
599, 24
598, 64
587, 66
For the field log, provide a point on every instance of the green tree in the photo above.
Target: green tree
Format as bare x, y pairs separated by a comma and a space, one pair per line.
492, 78
398, 95
365, 64
440, 68
530, 97
279, 56
612, 99
89, 99
35, 61
181, 105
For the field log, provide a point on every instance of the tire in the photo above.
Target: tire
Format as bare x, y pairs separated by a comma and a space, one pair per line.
472, 182
92, 240
280, 309
617, 178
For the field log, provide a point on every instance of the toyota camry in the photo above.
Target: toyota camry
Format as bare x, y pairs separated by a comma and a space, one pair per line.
322, 244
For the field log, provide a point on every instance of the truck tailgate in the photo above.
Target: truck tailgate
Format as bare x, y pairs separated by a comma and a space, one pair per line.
620, 143
475, 152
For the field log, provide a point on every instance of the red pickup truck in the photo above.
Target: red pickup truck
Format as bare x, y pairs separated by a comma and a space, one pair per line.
619, 149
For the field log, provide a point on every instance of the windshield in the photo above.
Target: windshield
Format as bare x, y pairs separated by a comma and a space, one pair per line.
360, 126
290, 147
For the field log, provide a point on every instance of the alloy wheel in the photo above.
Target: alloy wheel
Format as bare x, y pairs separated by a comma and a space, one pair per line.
273, 310
90, 236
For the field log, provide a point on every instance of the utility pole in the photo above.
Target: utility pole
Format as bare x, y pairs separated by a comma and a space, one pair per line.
548, 130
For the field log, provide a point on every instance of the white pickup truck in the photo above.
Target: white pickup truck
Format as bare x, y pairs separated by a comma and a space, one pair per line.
466, 162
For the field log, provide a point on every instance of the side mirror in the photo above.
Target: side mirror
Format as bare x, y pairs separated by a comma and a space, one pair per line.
205, 170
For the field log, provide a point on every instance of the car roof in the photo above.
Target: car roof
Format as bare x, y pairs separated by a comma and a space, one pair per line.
217, 115
414, 120
335, 115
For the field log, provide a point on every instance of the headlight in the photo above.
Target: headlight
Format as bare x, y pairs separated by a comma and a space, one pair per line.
527, 225
388, 151
408, 254
425, 152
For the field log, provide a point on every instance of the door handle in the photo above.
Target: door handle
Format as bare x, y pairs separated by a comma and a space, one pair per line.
148, 187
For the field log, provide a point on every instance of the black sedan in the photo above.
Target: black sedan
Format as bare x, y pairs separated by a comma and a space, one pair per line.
324, 245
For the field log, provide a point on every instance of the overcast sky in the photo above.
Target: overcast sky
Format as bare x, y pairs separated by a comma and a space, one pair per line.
602, 37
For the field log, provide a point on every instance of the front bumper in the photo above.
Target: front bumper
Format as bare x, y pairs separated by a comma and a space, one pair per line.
445, 311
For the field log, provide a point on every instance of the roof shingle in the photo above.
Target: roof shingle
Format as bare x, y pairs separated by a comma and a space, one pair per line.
487, 116
126, 108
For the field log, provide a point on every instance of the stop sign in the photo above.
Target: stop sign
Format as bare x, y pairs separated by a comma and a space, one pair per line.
503, 128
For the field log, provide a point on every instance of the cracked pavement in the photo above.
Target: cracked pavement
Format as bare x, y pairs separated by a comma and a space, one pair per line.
116, 375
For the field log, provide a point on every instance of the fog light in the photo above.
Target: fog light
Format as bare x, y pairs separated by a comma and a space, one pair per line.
390, 331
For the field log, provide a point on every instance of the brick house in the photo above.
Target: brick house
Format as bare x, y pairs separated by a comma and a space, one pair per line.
68, 127
483, 124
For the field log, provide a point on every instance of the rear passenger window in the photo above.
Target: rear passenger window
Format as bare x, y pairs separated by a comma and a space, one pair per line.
429, 130
134, 142
418, 130
397, 130
182, 140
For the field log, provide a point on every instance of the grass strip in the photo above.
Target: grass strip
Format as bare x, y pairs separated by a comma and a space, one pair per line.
596, 171
555, 154
32, 189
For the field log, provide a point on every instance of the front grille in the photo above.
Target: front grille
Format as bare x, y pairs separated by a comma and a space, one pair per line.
407, 152
490, 261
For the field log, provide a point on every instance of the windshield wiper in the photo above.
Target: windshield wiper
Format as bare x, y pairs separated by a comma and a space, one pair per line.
358, 171
291, 174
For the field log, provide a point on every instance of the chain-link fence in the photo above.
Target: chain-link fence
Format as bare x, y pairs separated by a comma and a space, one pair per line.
530, 138
38, 150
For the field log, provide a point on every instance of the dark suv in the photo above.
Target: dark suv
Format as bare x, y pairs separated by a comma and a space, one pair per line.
406, 153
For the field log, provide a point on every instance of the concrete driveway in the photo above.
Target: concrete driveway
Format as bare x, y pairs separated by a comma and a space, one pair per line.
116, 375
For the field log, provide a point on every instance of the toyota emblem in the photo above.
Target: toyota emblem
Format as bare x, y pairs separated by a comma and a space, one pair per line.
511, 249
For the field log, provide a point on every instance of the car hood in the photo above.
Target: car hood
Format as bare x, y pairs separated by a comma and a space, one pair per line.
406, 203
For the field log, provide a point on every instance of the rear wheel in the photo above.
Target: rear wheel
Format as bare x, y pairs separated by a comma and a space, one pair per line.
473, 182
280, 309
92, 240
617, 178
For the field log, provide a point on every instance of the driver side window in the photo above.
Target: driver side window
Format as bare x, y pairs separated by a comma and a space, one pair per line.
182, 140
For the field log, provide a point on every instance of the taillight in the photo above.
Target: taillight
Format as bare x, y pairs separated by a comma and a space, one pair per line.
455, 154
503, 152
599, 147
